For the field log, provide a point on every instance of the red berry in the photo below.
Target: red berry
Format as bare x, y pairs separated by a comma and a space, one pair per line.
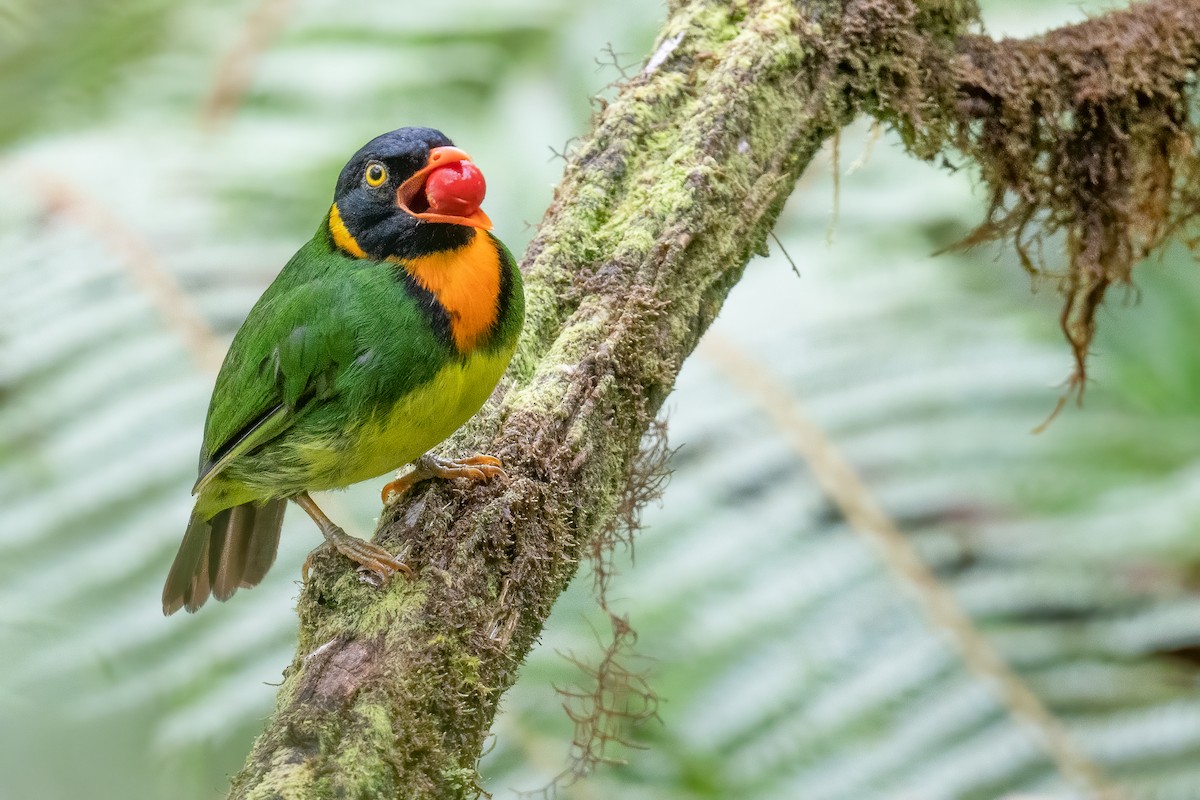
455, 190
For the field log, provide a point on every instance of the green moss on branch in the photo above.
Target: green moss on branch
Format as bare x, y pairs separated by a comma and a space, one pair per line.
680, 181
392, 693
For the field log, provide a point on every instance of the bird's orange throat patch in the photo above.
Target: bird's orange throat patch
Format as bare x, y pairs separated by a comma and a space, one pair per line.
466, 282
342, 237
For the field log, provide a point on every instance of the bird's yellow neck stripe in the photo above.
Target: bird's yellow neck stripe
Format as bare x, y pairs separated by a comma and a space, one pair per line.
342, 237
466, 282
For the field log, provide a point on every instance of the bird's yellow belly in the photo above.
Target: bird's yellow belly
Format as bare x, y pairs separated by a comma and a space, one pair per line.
417, 423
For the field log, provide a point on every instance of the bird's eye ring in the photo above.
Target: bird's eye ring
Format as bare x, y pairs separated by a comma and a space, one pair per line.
376, 174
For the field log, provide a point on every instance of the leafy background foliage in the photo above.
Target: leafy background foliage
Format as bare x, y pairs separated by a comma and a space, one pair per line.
790, 659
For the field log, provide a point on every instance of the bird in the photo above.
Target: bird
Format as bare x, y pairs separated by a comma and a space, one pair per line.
379, 338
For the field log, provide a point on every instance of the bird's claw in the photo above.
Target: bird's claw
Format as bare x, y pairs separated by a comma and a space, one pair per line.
306, 567
372, 560
475, 468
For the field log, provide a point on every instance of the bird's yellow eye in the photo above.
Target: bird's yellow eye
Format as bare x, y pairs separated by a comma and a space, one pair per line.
376, 174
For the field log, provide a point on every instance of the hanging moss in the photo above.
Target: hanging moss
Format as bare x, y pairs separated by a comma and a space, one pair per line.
1086, 132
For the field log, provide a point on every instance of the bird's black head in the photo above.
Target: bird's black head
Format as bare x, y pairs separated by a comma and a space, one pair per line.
380, 207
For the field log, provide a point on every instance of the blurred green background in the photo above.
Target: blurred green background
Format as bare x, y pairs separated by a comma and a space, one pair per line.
162, 161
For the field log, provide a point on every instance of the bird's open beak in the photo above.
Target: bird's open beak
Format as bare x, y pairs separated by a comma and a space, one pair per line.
410, 196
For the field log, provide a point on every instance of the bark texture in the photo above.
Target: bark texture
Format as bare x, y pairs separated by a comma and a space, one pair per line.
392, 692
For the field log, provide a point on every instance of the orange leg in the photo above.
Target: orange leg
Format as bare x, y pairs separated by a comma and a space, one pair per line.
476, 468
368, 556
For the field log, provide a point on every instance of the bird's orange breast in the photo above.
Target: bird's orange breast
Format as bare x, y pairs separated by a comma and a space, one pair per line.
466, 282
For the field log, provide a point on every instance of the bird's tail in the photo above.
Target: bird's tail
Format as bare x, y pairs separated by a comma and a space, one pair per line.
235, 547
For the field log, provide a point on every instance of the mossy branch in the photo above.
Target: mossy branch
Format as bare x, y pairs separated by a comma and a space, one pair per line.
392, 692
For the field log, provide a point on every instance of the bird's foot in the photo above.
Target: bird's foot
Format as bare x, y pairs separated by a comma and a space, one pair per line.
375, 563
476, 468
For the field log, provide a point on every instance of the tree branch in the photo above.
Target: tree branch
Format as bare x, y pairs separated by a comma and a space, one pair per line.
392, 693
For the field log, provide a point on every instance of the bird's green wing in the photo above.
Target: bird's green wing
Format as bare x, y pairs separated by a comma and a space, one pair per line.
261, 430
287, 354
